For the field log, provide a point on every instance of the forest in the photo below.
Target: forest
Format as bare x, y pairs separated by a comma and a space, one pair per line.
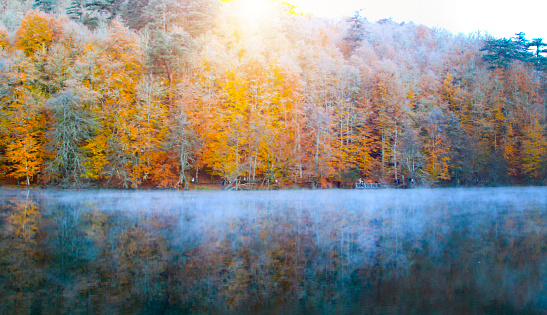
168, 93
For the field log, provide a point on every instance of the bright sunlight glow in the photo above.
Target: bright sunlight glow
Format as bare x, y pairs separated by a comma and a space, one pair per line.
255, 10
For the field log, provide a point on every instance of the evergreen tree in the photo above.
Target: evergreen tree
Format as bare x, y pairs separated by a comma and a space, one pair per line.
520, 48
45, 5
540, 62
356, 32
109, 8
134, 14
500, 52
76, 10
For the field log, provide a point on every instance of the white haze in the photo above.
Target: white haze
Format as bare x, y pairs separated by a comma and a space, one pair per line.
386, 229
500, 18
408, 213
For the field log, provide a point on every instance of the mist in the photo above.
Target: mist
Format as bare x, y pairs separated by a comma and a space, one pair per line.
382, 251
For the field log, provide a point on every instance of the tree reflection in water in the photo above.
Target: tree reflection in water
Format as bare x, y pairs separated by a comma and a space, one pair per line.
389, 251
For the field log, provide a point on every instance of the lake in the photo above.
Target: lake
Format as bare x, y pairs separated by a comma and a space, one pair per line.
388, 251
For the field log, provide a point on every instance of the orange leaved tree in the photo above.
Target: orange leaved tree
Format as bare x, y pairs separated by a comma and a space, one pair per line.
34, 33
534, 155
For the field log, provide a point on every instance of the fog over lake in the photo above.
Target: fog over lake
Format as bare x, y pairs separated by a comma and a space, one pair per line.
387, 251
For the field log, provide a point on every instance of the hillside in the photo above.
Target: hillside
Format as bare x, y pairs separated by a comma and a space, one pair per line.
154, 93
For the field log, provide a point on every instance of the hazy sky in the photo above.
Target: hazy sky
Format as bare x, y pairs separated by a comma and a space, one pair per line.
501, 18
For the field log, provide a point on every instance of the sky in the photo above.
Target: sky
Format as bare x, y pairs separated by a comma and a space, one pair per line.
501, 18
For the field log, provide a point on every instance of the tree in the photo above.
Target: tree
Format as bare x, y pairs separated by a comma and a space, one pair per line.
73, 126
24, 157
108, 8
182, 143
512, 152
534, 155
45, 5
500, 52
198, 16
135, 15
4, 40
79, 12
163, 15
278, 98
520, 50
117, 82
34, 33
22, 122
448, 93
538, 44
228, 142
540, 61
411, 155
356, 32
319, 96
387, 117
146, 130
437, 148
165, 51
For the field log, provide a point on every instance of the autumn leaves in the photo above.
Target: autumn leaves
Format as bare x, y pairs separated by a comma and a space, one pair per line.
82, 107
294, 101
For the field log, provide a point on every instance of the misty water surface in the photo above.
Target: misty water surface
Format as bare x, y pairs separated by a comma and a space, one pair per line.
329, 251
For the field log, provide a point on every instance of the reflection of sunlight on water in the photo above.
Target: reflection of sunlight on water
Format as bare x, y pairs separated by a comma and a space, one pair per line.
430, 250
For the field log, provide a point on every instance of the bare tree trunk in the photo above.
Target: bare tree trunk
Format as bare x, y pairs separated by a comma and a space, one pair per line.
317, 154
395, 152
383, 153
170, 79
237, 160
170, 74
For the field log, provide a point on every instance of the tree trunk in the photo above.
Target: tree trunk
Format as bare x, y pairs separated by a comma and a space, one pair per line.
170, 75
170, 79
383, 153
395, 152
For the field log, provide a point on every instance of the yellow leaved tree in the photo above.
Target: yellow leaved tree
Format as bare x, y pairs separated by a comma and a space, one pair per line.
119, 71
24, 219
437, 148
24, 157
34, 33
4, 40
534, 155
23, 121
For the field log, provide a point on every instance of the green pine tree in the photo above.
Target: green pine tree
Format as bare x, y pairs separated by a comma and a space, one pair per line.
356, 32
134, 14
109, 8
539, 61
520, 48
499, 52
45, 5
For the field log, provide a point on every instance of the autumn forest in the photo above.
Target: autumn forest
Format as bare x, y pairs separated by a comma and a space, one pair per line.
163, 93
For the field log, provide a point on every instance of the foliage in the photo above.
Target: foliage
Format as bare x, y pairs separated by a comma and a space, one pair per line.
4, 40
73, 125
35, 33
166, 93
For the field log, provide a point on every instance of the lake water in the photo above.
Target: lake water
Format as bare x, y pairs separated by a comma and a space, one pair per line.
458, 250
